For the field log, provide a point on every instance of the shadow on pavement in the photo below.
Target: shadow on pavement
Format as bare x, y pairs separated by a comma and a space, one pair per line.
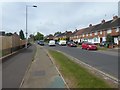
24, 50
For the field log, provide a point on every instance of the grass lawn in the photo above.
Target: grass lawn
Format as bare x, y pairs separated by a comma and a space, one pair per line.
0, 53
75, 75
102, 48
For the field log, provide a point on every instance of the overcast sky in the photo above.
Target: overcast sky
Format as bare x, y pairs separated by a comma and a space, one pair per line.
50, 17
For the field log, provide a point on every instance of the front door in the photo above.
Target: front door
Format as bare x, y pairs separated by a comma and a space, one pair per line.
100, 40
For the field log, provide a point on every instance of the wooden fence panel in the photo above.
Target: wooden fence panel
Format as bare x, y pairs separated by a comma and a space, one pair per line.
6, 42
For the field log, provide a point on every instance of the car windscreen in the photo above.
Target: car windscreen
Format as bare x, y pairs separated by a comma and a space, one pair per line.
90, 43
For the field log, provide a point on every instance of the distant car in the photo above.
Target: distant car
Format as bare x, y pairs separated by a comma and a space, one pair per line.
89, 46
71, 44
51, 43
41, 42
62, 42
57, 43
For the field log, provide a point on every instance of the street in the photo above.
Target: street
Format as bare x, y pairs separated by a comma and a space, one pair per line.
104, 62
14, 67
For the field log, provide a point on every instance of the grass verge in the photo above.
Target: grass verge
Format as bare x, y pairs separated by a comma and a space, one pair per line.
75, 75
102, 48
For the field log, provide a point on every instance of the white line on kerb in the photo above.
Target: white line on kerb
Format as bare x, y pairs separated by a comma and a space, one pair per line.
79, 61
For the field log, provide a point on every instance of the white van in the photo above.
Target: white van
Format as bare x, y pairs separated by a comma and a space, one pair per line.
62, 42
51, 43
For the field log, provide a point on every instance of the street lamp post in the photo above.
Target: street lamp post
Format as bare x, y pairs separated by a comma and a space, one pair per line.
26, 23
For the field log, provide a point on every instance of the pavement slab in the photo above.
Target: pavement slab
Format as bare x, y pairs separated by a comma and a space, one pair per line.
42, 73
14, 67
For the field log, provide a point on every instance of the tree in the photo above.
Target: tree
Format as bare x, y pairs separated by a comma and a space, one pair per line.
39, 36
21, 34
9, 34
31, 36
56, 33
109, 39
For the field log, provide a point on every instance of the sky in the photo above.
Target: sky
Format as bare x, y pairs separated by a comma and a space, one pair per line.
50, 17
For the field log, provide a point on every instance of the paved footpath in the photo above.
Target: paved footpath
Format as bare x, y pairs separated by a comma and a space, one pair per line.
42, 73
15, 66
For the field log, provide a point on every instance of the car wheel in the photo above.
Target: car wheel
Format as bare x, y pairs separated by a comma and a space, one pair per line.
88, 49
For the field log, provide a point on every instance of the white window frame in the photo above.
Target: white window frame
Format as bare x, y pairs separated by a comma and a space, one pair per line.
90, 34
109, 31
87, 34
83, 35
100, 32
117, 29
96, 33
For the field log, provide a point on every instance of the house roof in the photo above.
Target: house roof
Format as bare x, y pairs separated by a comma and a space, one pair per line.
107, 25
101, 26
74, 33
115, 23
79, 32
98, 27
60, 35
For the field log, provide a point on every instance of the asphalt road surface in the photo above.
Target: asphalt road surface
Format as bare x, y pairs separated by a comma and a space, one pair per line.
104, 62
14, 67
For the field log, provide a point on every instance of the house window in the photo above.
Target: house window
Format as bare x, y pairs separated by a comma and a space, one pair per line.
83, 35
100, 32
109, 31
95, 33
90, 34
117, 30
95, 39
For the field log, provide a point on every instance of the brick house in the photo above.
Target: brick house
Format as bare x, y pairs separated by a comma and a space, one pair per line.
63, 36
97, 33
49, 37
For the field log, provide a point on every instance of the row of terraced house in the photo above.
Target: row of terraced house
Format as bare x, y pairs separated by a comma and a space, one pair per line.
95, 33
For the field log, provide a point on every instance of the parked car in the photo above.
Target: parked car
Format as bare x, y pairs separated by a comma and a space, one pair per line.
62, 42
41, 42
51, 43
71, 44
57, 43
89, 46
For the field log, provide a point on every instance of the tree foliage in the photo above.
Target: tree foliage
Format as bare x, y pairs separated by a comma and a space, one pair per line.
9, 34
56, 33
39, 36
21, 34
109, 39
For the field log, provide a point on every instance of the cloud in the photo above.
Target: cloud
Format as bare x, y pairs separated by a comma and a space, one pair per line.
50, 17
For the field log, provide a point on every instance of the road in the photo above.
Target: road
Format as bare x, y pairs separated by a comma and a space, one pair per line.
14, 67
102, 61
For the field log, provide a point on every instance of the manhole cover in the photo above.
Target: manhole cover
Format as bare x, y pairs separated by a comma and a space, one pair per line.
39, 73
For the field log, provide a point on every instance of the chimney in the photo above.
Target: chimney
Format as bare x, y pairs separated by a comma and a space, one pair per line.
90, 25
115, 17
103, 21
76, 30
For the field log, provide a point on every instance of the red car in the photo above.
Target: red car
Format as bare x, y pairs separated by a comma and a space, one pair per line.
89, 46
